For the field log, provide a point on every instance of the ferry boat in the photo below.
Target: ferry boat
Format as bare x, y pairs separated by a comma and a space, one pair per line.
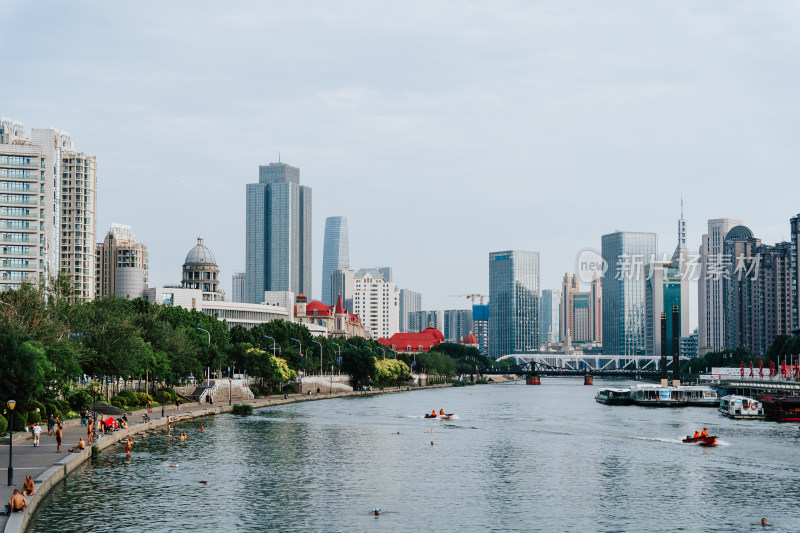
781, 408
682, 396
734, 406
614, 396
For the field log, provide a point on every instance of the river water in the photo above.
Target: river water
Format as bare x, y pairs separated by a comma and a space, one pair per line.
516, 458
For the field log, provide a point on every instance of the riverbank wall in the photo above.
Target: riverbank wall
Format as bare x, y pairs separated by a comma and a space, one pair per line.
17, 522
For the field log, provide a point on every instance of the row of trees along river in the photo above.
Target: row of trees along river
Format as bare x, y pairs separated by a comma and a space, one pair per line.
49, 341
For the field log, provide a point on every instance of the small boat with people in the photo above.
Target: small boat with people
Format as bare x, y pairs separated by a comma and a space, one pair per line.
614, 396
702, 438
741, 407
442, 415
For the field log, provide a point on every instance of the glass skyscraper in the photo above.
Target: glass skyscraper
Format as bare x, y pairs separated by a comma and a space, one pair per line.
278, 233
513, 302
626, 254
335, 254
549, 317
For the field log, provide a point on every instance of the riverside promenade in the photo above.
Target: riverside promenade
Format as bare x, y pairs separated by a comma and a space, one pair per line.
47, 468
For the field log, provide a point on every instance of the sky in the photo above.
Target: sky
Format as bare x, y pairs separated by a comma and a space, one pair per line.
442, 130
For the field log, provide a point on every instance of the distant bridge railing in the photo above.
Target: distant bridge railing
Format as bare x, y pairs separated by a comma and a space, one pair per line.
579, 365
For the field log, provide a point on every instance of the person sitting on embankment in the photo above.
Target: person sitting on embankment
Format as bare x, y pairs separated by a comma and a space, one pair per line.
17, 503
81, 446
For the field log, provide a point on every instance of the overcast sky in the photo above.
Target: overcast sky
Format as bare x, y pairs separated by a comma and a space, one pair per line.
443, 131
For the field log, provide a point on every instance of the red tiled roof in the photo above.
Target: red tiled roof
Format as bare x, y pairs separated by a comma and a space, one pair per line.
470, 339
411, 342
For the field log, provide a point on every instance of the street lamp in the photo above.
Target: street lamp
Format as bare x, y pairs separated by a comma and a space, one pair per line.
198, 328
339, 356
299, 344
320, 355
230, 391
383, 351
11, 404
273, 345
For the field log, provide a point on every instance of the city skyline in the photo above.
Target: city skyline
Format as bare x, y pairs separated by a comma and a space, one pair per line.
367, 136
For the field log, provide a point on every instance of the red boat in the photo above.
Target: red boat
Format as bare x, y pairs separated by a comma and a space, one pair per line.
781, 408
711, 440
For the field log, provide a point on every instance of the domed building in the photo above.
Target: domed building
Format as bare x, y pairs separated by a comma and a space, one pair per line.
200, 271
470, 340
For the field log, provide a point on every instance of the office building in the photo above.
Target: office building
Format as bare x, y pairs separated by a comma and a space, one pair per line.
513, 302
757, 290
480, 327
343, 283
377, 302
710, 306
794, 223
623, 286
121, 264
581, 311
419, 320
238, 287
688, 346
457, 324
667, 308
550, 317
410, 302
278, 233
200, 271
335, 254
22, 222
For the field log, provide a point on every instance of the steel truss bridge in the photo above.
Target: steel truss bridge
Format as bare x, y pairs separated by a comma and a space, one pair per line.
631, 366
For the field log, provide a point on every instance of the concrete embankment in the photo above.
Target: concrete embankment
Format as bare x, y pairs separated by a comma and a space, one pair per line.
47, 467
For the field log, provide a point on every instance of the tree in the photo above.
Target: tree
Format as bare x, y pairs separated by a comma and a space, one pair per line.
359, 364
24, 365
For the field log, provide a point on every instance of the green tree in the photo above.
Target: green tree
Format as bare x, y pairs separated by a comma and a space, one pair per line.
24, 367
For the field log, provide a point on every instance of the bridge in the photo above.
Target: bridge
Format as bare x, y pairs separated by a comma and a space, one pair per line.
630, 366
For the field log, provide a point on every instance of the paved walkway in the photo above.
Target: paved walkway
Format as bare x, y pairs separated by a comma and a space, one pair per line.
46, 467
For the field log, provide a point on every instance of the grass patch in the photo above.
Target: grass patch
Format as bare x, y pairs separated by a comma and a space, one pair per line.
242, 409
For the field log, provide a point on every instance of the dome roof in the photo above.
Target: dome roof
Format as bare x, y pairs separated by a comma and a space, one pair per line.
470, 339
739, 233
435, 333
200, 255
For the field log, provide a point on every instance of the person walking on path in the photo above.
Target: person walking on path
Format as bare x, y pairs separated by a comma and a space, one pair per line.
59, 436
37, 430
51, 424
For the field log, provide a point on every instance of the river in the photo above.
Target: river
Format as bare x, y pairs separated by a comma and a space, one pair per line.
516, 458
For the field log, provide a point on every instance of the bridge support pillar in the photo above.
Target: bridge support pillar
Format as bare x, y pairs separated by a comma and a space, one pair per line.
534, 380
588, 379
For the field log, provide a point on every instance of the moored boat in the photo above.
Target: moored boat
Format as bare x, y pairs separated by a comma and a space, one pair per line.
614, 396
781, 408
682, 396
734, 406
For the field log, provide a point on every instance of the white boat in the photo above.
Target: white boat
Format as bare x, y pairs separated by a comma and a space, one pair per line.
740, 407
614, 396
685, 395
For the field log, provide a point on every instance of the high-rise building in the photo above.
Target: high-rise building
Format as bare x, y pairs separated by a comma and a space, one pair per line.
410, 302
757, 287
480, 326
343, 283
457, 324
238, 287
794, 223
688, 347
335, 255
667, 299
626, 254
420, 320
23, 226
581, 311
550, 317
513, 302
667, 302
710, 310
78, 223
200, 271
377, 302
278, 233
121, 264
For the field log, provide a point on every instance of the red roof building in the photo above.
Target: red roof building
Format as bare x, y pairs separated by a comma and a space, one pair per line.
337, 320
420, 342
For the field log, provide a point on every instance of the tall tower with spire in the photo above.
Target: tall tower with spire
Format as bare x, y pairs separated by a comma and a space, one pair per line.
680, 256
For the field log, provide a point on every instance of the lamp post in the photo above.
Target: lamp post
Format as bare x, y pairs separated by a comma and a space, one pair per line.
230, 391
299, 344
274, 353
320, 355
11, 404
382, 351
339, 356
198, 328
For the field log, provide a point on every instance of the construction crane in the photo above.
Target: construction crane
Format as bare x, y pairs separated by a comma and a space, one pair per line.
472, 297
